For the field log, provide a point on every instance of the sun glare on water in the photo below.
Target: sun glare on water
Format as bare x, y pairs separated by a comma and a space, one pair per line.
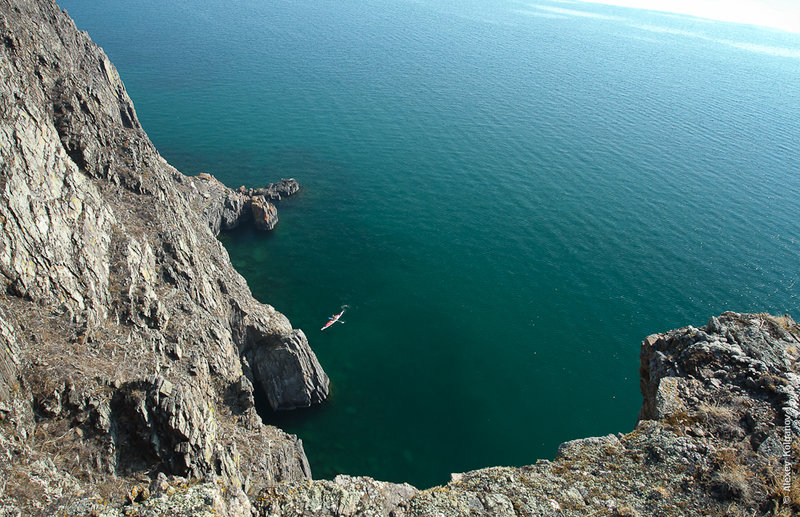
778, 14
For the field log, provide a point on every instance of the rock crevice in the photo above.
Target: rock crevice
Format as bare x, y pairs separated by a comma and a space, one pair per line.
121, 315
131, 350
718, 427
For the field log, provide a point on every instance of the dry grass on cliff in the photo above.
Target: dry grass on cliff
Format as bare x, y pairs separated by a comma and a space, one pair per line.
785, 322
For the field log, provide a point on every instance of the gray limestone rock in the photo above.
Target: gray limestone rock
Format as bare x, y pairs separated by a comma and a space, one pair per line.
290, 377
265, 215
707, 443
277, 191
131, 351
121, 321
225, 209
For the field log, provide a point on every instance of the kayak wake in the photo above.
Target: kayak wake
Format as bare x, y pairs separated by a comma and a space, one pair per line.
334, 319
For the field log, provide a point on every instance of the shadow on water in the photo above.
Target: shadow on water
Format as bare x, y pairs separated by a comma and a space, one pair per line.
285, 419
323, 463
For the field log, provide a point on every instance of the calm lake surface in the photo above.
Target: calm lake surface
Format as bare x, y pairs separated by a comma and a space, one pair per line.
508, 196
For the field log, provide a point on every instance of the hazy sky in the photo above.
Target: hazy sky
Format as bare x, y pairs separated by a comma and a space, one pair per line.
781, 14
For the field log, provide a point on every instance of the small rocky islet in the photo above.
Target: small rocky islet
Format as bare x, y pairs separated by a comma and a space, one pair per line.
132, 351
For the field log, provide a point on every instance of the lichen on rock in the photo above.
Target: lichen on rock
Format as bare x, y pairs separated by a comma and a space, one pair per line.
123, 324
708, 442
131, 350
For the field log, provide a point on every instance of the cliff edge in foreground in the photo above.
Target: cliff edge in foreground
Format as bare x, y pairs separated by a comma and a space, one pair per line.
131, 351
718, 427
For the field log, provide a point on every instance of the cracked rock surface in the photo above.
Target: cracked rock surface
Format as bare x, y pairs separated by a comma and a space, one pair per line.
709, 441
132, 353
130, 345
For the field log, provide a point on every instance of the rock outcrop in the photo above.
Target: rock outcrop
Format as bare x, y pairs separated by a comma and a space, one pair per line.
719, 434
277, 191
130, 345
225, 209
131, 351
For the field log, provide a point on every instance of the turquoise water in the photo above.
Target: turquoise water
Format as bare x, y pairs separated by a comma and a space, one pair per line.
508, 196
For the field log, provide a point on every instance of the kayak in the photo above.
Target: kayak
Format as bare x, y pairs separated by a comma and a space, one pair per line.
333, 319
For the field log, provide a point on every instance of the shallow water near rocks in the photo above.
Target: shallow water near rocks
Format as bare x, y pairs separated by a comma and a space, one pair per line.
508, 197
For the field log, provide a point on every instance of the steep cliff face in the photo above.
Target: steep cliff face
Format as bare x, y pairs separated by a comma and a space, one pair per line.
130, 344
129, 347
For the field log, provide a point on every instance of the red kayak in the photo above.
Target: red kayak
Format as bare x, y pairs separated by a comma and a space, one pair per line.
333, 319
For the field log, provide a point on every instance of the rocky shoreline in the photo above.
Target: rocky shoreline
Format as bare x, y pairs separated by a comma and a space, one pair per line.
132, 350
127, 336
226, 209
711, 439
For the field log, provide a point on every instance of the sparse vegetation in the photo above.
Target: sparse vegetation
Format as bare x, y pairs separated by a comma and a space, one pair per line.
125, 397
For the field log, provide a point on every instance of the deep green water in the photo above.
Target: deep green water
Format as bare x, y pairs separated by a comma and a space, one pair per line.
508, 196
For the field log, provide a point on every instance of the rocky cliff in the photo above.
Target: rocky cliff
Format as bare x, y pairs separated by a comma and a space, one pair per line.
131, 351
718, 434
130, 345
